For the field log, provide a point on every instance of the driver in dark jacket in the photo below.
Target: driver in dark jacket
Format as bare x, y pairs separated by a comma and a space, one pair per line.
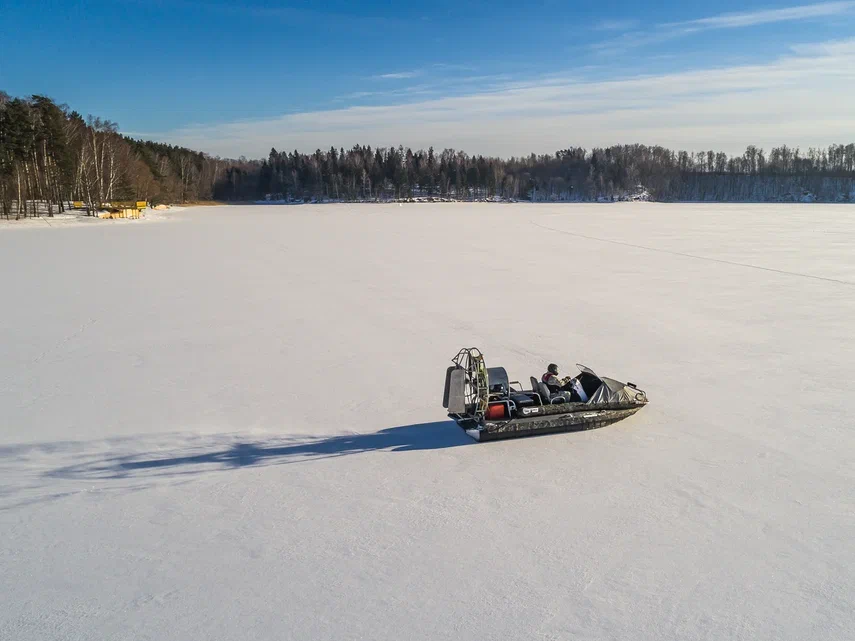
555, 384
551, 380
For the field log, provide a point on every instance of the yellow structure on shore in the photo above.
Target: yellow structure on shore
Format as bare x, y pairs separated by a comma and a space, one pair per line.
128, 209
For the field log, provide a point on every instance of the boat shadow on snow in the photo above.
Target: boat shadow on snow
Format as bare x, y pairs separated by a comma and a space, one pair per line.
226, 452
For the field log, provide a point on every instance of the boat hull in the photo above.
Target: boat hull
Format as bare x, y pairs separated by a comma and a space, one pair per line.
589, 419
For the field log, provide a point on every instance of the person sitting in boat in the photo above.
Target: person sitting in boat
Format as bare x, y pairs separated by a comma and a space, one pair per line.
551, 380
568, 386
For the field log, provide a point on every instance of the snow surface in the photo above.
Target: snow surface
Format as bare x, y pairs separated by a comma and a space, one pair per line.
75, 219
230, 426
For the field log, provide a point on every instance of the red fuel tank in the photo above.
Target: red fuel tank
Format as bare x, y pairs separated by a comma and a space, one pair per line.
495, 411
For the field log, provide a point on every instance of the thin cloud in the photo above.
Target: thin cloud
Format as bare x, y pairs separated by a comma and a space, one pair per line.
432, 69
409, 91
723, 109
358, 94
398, 75
828, 48
445, 86
767, 16
637, 39
671, 30
444, 66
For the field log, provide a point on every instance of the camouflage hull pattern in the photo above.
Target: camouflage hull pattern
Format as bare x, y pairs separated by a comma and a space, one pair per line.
585, 418
567, 408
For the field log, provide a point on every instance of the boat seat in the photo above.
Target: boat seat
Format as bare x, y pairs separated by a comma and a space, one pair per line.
547, 396
522, 399
535, 388
545, 393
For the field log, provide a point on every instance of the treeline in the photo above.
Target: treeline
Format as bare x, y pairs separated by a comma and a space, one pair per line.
624, 171
50, 156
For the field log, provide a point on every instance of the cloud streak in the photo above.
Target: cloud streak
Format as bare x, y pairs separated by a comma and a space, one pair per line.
802, 98
671, 30
752, 18
438, 68
399, 75
446, 86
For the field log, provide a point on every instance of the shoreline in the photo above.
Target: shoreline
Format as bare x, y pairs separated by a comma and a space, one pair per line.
67, 220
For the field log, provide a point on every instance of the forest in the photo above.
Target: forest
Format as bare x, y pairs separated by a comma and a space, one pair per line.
618, 172
51, 156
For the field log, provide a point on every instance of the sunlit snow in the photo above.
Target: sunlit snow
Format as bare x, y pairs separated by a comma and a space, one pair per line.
228, 424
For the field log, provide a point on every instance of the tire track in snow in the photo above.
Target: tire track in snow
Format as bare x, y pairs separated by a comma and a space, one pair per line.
695, 256
38, 359
7, 382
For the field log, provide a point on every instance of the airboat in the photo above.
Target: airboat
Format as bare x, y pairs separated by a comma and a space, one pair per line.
488, 407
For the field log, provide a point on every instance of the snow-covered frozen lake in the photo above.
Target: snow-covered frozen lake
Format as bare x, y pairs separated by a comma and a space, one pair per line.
228, 425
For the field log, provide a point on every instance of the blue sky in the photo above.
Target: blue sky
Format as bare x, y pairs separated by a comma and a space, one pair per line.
490, 77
